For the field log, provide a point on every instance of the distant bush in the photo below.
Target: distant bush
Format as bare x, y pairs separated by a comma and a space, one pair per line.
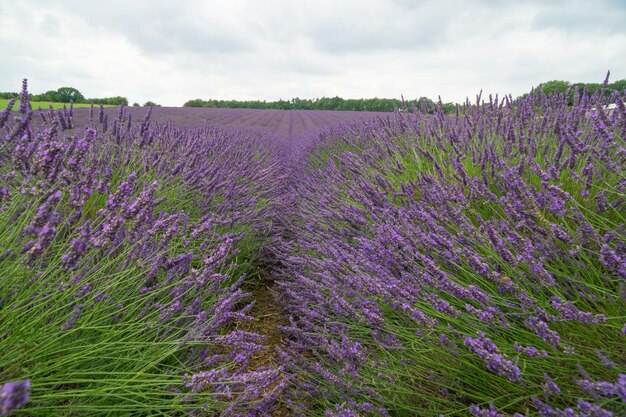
110, 101
7, 95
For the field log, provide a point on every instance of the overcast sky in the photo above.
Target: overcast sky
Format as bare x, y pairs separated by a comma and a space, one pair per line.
170, 51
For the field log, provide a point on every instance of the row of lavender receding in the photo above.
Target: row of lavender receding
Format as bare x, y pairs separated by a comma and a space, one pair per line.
465, 265
124, 247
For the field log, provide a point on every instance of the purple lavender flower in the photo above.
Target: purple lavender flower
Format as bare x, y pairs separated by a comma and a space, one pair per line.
496, 362
47, 208
14, 395
531, 351
481, 412
604, 358
341, 411
24, 98
550, 387
79, 247
4, 115
568, 311
595, 388
540, 327
544, 409
198, 382
592, 410
71, 321
613, 261
620, 387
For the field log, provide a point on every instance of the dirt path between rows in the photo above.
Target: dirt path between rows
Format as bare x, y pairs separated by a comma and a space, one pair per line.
268, 315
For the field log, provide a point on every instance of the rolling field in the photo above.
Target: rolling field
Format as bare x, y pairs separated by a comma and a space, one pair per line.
222, 262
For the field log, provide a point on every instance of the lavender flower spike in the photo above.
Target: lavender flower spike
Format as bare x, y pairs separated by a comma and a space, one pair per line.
13, 395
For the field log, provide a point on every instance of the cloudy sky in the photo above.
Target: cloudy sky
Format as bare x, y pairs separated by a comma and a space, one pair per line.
171, 51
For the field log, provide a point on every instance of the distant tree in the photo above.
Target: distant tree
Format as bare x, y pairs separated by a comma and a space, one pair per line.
198, 102
117, 101
67, 94
110, 101
554, 87
151, 104
619, 86
135, 104
52, 96
449, 108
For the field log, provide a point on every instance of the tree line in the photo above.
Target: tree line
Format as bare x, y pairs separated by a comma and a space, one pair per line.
424, 104
67, 95
324, 103
571, 89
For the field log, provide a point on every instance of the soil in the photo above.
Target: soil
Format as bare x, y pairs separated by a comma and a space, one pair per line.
268, 315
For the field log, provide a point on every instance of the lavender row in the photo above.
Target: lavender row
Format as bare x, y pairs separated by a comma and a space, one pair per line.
124, 247
465, 265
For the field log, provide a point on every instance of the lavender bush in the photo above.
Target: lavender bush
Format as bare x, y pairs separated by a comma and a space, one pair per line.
465, 265
124, 246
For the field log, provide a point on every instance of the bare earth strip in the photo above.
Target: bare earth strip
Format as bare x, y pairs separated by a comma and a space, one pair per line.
268, 315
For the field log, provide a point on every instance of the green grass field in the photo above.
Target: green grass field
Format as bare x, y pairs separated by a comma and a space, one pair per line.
43, 104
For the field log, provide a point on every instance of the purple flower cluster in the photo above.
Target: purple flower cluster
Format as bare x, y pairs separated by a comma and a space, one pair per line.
490, 412
496, 363
13, 395
583, 409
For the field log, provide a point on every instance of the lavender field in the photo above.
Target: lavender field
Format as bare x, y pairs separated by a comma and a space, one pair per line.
221, 262
287, 124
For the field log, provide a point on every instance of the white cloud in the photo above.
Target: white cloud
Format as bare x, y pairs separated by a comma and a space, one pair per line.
170, 52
